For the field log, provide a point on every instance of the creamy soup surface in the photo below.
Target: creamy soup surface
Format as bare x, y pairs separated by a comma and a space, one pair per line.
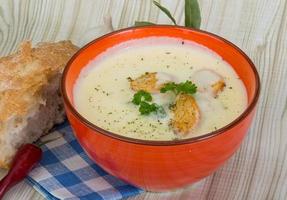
102, 93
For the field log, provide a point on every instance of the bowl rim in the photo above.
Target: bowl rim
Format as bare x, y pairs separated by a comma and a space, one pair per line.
207, 136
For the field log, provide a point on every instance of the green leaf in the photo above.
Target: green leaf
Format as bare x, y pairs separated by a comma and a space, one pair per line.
168, 87
143, 23
192, 14
141, 96
146, 108
186, 87
166, 11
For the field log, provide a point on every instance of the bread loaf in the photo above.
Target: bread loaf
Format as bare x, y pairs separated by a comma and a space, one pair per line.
30, 100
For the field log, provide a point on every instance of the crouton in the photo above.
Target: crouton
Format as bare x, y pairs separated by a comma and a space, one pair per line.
186, 114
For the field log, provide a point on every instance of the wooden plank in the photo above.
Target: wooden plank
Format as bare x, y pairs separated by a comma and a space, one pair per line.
259, 27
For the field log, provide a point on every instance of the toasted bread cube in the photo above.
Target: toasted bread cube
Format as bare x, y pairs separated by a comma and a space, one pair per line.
186, 114
146, 82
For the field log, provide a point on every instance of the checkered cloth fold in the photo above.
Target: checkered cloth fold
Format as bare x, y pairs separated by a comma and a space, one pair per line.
66, 172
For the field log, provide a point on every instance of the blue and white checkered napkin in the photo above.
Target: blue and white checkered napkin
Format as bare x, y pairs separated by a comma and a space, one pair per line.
66, 172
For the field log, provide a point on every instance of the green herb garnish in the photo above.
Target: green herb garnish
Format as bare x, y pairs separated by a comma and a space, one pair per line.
186, 87
147, 108
141, 96
143, 99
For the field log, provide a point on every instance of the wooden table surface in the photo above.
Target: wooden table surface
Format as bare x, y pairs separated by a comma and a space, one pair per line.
259, 169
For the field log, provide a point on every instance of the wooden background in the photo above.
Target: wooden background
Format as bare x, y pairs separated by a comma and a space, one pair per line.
259, 27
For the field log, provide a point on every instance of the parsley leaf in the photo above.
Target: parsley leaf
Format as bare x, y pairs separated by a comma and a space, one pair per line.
141, 96
168, 87
186, 87
146, 108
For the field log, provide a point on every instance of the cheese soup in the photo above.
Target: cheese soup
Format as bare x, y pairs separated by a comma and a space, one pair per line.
106, 87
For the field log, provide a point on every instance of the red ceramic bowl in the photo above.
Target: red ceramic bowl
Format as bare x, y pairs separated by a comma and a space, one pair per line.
161, 165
